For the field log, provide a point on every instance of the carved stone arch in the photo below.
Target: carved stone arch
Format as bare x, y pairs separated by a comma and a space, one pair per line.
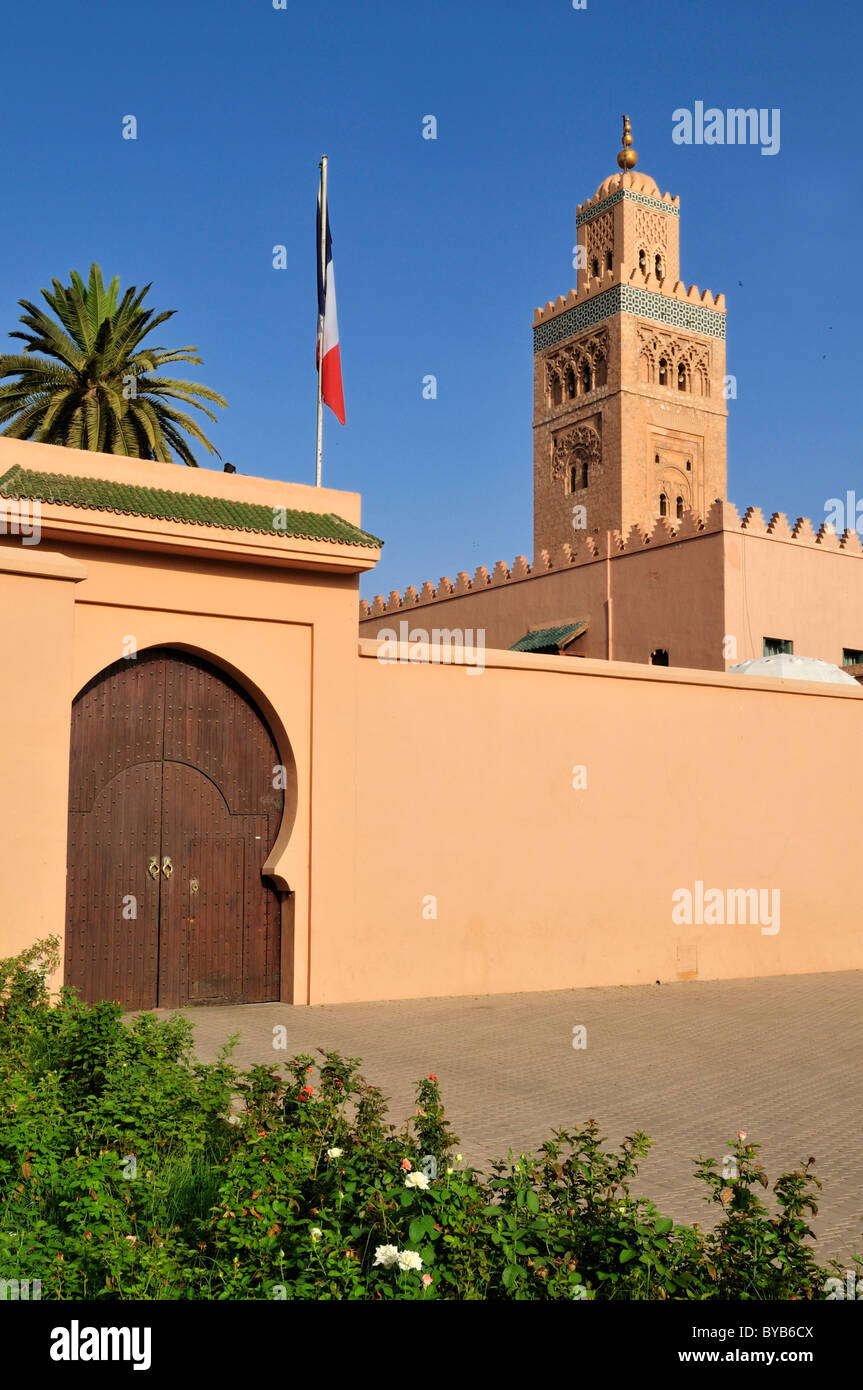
554, 381
584, 372
578, 447
675, 483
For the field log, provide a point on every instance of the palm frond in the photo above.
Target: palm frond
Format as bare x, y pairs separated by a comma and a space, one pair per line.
69, 388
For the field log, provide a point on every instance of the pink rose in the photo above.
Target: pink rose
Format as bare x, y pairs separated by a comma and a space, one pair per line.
407, 1165
427, 1279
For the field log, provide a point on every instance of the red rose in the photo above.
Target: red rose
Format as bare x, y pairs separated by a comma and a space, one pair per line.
431, 1077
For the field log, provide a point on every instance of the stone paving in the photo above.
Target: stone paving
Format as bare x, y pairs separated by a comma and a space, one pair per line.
689, 1063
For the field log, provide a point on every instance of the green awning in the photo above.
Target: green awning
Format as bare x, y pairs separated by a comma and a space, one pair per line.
550, 641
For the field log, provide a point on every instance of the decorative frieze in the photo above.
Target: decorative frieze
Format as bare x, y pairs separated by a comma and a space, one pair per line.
618, 197
626, 299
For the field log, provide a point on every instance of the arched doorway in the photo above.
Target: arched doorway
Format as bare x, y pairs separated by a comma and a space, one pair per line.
174, 804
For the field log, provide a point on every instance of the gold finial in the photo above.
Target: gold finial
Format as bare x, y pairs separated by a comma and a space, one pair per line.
628, 158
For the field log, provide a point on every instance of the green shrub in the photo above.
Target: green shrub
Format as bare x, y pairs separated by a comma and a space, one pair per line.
129, 1170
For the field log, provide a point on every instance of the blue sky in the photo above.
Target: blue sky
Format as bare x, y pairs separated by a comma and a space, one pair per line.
442, 248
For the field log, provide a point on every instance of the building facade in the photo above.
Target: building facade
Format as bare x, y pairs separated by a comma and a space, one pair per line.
634, 538
213, 792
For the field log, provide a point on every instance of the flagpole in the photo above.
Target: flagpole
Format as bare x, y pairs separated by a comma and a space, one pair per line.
322, 252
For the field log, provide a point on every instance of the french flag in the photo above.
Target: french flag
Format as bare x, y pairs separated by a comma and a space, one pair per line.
329, 359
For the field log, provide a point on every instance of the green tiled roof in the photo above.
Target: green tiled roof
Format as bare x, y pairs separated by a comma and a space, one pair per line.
556, 637
126, 499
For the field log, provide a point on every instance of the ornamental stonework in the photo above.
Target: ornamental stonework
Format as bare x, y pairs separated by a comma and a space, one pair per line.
567, 369
669, 209
651, 230
578, 445
599, 240
675, 351
626, 299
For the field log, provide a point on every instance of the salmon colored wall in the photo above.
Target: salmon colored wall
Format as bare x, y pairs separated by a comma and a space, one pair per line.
417, 779
667, 596
465, 792
37, 593
807, 593
734, 579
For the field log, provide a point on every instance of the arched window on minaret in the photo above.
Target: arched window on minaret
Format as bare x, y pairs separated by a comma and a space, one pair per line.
658, 267
585, 377
663, 504
682, 384
556, 390
663, 372
570, 382
594, 268
601, 371
680, 509
573, 479
608, 260
642, 261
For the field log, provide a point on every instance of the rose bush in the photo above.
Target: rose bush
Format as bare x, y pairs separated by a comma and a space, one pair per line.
129, 1170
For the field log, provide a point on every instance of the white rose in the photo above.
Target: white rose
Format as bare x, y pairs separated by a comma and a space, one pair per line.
316, 1233
417, 1180
334, 1153
386, 1255
409, 1259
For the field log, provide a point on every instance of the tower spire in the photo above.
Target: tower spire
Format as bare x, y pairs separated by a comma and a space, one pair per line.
628, 157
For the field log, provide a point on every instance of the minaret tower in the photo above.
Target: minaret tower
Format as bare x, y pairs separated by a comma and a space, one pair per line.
629, 374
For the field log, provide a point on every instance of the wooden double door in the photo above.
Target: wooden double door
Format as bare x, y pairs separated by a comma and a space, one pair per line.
175, 800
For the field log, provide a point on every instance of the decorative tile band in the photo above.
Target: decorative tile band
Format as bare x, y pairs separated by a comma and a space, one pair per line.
587, 216
626, 299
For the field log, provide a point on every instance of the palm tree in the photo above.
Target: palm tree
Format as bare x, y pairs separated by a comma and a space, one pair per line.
93, 388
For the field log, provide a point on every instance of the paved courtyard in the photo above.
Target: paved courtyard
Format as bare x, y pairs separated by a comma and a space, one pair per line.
688, 1063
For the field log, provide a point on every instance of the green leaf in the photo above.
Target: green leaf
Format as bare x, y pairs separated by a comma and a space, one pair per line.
531, 1200
417, 1230
663, 1225
627, 1255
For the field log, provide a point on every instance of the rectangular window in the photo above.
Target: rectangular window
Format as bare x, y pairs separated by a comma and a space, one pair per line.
777, 646
852, 657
